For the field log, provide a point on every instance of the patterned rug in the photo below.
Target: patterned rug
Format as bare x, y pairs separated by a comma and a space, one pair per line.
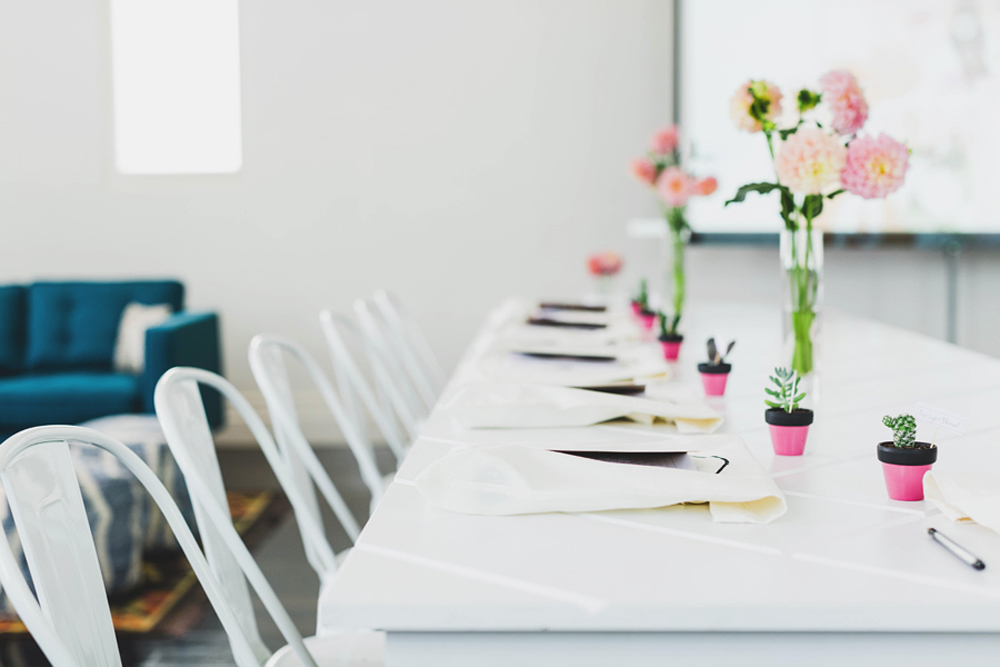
170, 601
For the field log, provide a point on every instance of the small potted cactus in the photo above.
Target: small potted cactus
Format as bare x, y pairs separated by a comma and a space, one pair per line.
640, 301
715, 371
904, 460
789, 424
669, 338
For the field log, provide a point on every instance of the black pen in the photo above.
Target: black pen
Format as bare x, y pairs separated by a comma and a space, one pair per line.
961, 553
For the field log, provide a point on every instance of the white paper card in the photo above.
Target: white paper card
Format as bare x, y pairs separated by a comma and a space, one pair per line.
939, 419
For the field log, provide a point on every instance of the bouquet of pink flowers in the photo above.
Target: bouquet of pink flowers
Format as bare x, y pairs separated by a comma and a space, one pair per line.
661, 169
815, 161
604, 264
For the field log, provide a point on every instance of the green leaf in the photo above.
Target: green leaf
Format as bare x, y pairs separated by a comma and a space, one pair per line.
812, 206
807, 99
835, 193
788, 132
772, 393
787, 208
762, 188
773, 404
798, 398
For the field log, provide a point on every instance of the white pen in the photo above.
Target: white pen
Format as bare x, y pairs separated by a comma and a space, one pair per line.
961, 553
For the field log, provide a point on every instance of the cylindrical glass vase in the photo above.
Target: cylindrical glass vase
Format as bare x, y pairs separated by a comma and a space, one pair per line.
802, 297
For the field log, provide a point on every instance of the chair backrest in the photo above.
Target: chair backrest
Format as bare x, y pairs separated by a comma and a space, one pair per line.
267, 361
354, 386
373, 329
71, 619
185, 426
409, 340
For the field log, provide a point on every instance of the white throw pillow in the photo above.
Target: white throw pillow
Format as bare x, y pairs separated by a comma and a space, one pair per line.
130, 347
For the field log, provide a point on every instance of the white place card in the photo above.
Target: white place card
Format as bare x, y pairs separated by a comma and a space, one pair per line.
931, 416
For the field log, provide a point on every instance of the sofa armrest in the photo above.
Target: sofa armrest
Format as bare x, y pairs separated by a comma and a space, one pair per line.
186, 339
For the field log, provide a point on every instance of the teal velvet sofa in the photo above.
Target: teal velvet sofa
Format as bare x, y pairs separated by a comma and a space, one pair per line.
57, 343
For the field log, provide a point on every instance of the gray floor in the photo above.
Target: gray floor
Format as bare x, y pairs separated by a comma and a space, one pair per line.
280, 556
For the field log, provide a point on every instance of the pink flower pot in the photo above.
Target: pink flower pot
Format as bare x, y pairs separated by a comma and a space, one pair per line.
713, 378
789, 430
636, 308
647, 320
671, 348
904, 469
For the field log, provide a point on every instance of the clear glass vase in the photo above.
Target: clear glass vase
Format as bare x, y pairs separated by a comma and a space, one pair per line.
802, 297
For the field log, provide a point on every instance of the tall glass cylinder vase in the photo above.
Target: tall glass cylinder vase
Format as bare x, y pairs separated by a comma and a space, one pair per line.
802, 297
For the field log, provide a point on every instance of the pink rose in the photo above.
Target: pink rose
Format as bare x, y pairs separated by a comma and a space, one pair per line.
706, 186
875, 167
810, 161
674, 187
644, 170
606, 263
843, 95
665, 140
739, 105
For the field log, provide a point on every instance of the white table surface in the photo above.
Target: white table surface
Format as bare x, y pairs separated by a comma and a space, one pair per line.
846, 574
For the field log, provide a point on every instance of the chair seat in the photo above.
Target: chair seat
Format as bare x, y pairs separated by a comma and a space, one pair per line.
355, 649
65, 398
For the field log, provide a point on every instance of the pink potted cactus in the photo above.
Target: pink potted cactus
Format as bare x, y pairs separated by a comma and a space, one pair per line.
788, 423
715, 372
904, 460
669, 338
641, 300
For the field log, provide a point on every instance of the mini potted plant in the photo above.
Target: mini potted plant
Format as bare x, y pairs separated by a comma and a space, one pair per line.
715, 372
641, 300
789, 424
669, 338
904, 460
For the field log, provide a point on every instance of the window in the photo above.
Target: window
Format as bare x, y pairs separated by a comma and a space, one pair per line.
176, 78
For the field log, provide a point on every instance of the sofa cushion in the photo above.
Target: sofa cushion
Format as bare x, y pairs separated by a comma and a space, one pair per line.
73, 325
12, 328
65, 398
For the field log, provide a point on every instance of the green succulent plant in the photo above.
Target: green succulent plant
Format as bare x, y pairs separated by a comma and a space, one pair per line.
668, 325
904, 430
787, 393
642, 298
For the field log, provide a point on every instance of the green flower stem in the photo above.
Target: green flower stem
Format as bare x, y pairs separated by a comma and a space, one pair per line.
804, 283
678, 242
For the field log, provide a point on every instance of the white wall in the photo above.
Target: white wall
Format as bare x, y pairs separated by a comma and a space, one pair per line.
453, 151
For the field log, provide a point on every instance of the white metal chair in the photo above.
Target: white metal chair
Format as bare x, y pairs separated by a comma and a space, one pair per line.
267, 361
400, 399
409, 341
71, 619
415, 387
181, 413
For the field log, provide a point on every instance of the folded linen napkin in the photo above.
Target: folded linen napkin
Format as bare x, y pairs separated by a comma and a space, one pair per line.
629, 364
508, 479
511, 405
965, 496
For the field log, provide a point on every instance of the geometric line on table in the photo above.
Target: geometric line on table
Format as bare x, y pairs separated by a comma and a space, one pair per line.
874, 506
816, 466
630, 431
588, 602
905, 576
771, 551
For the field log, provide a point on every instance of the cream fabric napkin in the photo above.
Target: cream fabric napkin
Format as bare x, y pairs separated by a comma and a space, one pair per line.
965, 496
508, 479
512, 405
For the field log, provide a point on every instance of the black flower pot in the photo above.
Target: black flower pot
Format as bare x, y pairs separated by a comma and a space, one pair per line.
789, 430
671, 344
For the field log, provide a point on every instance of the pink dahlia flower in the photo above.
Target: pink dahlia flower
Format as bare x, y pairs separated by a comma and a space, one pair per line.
739, 104
706, 186
665, 140
875, 167
845, 98
644, 170
675, 186
606, 263
810, 161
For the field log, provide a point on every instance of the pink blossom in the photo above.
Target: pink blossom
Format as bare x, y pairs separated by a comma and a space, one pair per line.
606, 263
810, 161
665, 140
644, 170
675, 186
739, 105
706, 186
843, 95
875, 167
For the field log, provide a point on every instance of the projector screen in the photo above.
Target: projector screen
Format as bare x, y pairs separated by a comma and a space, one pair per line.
930, 70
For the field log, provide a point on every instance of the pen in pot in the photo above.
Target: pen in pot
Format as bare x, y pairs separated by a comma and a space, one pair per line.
959, 552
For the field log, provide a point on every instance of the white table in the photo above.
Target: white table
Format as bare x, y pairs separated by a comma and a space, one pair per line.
847, 576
